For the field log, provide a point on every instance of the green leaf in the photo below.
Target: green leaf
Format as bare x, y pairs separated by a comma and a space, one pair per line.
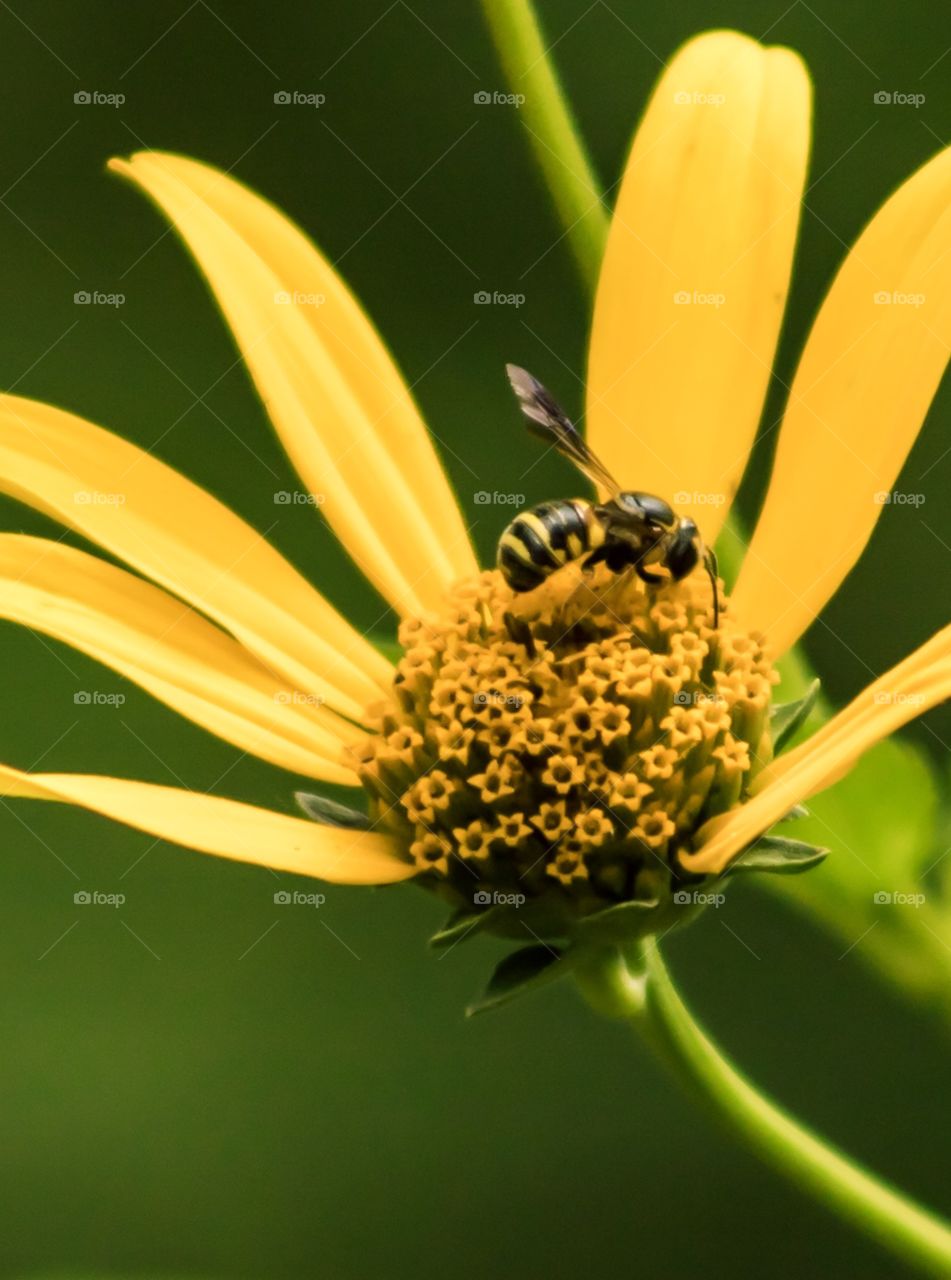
618, 924
789, 717
330, 813
462, 924
519, 972
778, 855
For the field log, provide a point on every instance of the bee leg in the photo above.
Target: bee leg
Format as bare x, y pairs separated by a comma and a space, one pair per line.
520, 632
711, 566
652, 579
598, 555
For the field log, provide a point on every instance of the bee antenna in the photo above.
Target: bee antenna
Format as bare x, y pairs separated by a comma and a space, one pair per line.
710, 563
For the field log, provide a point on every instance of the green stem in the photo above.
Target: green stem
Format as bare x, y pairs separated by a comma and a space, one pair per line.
650, 1001
552, 129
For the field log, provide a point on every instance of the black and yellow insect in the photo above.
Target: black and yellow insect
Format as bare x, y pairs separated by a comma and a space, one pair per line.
630, 531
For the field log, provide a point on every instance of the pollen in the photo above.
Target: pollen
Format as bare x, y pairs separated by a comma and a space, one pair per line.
566, 745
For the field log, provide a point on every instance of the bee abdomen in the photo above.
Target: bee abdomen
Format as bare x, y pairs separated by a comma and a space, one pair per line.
541, 540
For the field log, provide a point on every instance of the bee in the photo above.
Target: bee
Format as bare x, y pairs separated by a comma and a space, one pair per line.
631, 530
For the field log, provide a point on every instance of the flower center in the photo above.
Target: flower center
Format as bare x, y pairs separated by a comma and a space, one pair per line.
565, 747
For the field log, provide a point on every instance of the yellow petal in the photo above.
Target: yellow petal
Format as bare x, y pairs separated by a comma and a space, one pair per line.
696, 272
869, 371
172, 652
174, 532
908, 690
338, 403
227, 828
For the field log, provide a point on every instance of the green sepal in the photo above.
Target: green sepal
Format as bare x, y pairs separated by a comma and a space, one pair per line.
519, 972
788, 717
618, 924
330, 813
795, 813
778, 855
462, 924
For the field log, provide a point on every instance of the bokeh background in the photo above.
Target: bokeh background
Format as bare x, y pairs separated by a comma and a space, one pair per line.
202, 1083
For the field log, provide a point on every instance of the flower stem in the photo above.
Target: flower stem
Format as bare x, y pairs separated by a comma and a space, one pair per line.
553, 132
650, 1002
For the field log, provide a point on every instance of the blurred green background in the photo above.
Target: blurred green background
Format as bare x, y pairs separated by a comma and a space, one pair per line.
201, 1083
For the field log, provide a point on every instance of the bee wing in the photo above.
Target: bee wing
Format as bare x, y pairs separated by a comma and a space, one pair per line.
548, 421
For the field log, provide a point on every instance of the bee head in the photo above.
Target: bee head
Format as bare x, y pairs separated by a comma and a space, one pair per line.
684, 550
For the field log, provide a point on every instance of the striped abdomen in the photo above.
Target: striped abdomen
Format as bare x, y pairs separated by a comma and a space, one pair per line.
541, 540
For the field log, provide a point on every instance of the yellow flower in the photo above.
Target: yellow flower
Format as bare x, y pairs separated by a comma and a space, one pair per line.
482, 743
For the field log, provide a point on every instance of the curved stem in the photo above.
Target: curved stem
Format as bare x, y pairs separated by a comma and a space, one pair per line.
552, 130
650, 1001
